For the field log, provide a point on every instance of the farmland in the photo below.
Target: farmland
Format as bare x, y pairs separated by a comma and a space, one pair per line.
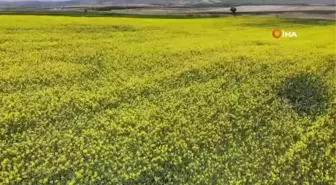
104, 100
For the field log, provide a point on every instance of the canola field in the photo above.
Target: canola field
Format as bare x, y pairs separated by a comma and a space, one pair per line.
102, 100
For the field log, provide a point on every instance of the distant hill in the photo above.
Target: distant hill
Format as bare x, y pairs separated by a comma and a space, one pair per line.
62, 3
38, 4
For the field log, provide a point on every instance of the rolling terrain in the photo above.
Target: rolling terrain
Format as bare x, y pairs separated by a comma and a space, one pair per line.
60, 3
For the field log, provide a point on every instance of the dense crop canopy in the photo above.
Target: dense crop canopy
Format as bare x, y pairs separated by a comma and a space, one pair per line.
166, 101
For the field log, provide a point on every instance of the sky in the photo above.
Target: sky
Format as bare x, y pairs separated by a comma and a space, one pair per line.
28, 0
31, 0
247, 1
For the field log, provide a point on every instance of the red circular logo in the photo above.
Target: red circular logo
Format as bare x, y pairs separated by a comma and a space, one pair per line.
276, 33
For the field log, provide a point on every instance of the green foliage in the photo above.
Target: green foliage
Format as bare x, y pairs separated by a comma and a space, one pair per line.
307, 95
149, 101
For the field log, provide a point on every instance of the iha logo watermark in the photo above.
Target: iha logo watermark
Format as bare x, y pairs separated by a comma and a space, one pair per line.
283, 34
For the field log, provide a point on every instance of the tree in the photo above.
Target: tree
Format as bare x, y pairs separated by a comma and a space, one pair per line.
233, 10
